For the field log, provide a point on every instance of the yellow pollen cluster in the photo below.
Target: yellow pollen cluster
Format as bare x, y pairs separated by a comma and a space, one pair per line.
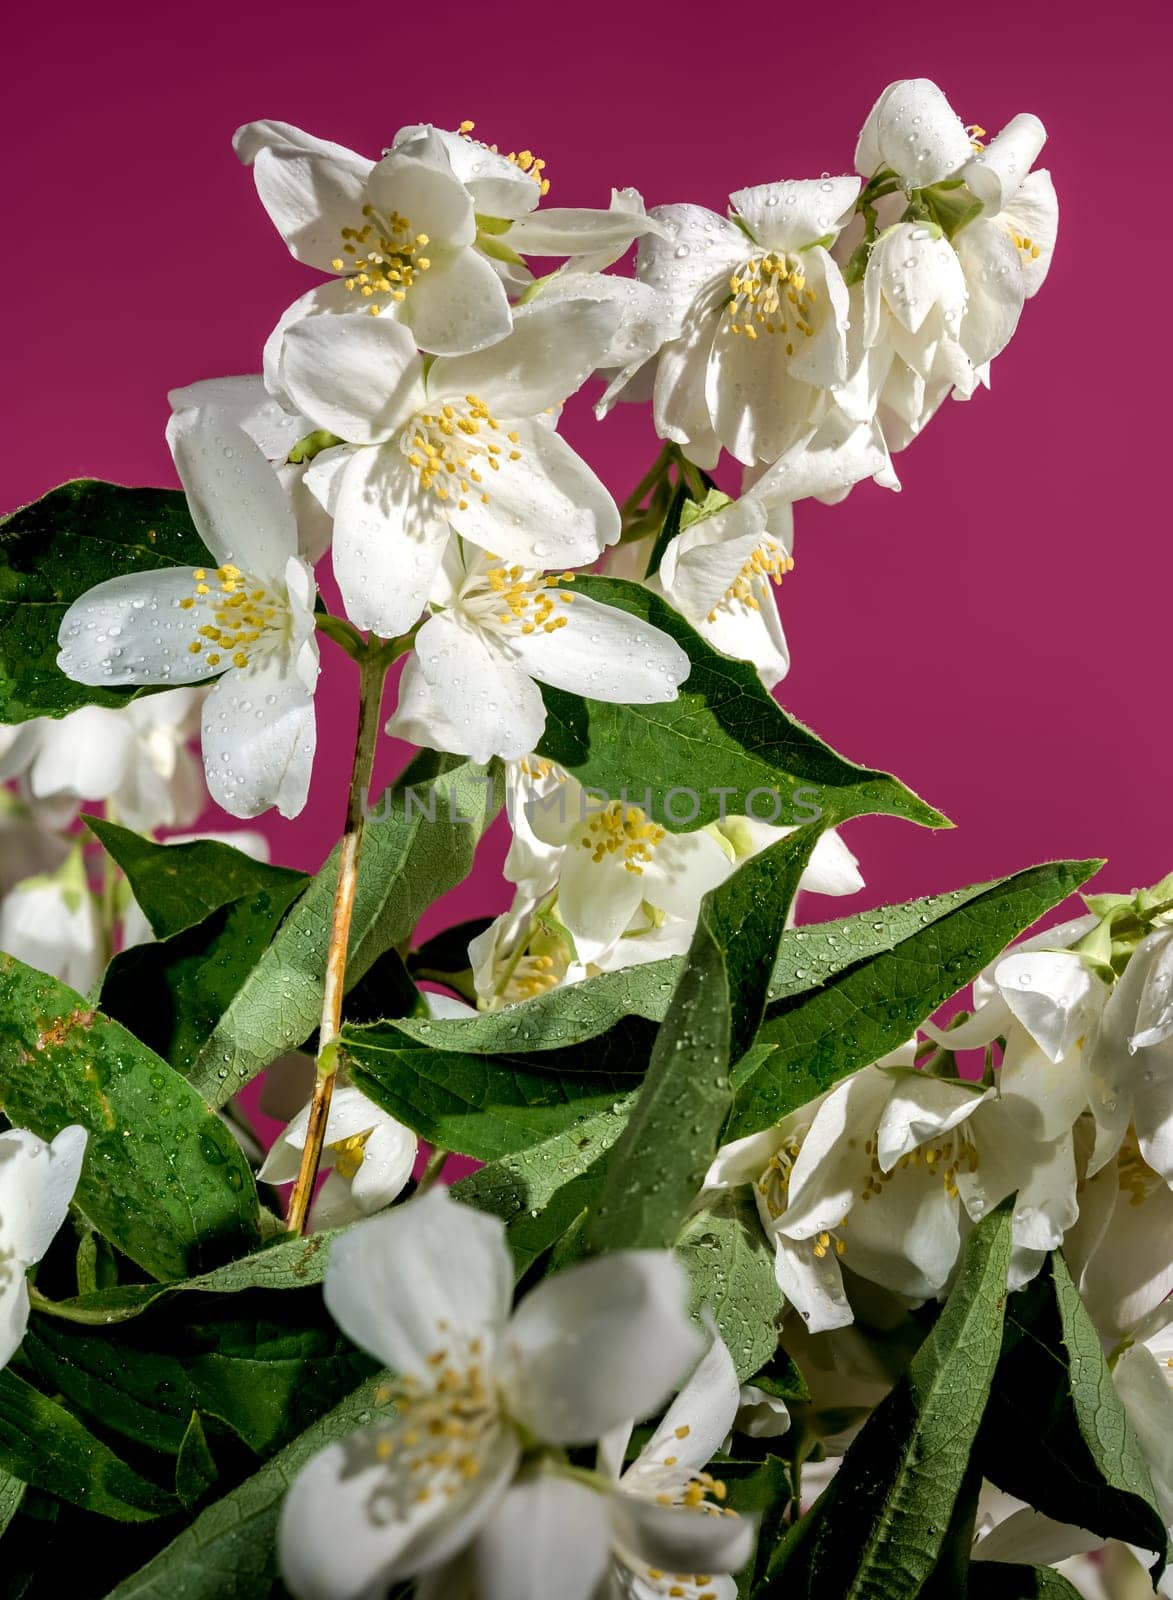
952, 1154
437, 1440
1027, 245
625, 830
530, 602
389, 259
242, 612
770, 295
449, 447
533, 975
774, 1183
769, 564
1137, 1179
525, 160
348, 1154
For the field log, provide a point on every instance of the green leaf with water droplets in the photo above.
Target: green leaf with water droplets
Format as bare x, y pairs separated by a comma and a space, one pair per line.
43, 1444
163, 1180
878, 1530
731, 1265
871, 1006
664, 1151
418, 844
724, 735
51, 552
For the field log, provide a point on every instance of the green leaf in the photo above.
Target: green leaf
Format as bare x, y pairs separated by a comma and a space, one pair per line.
164, 1179
43, 1444
180, 885
288, 1264
670, 1138
479, 1105
431, 821
871, 1006
266, 1368
1006, 1580
51, 552
878, 1530
723, 735
195, 1466
11, 1494
542, 1191
230, 1549
1056, 1433
731, 1265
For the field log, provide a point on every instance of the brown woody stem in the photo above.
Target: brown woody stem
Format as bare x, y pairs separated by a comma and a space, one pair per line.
372, 670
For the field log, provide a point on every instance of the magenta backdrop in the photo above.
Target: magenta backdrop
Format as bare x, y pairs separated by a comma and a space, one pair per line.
997, 634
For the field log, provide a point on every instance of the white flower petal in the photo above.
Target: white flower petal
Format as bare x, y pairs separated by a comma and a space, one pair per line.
14, 1311
259, 734
358, 376
695, 252
499, 186
812, 1284
600, 1343
131, 630
1154, 1012
236, 500
433, 202
832, 868
406, 1284
87, 754
704, 1408
680, 1538
997, 289
311, 189
603, 653
388, 541
489, 699
743, 1160
549, 1536
247, 404
679, 400
546, 509
596, 899
1034, 214
913, 129
683, 868
351, 1522
553, 349
921, 1108
572, 230
37, 1181
996, 173
418, 719
1053, 994
458, 305
787, 216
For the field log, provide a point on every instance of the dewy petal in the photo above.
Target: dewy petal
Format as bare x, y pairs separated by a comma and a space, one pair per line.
498, 186
1053, 994
569, 231
259, 734
239, 508
553, 349
603, 653
1154, 1012
812, 1284
743, 1160
1144, 1389
921, 1108
131, 630
596, 899
995, 174
546, 509
330, 299
997, 288
432, 201
679, 399
358, 376
600, 1343
37, 1181
705, 1408
418, 719
913, 129
681, 1538
247, 404
406, 1284
458, 305
488, 698
683, 868
352, 1522
695, 251
388, 541
1034, 214
831, 868
787, 216
549, 1536
14, 1312
311, 189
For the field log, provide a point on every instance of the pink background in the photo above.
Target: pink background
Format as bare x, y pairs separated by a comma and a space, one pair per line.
997, 634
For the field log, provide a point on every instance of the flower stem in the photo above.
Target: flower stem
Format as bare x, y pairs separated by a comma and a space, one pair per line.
372, 671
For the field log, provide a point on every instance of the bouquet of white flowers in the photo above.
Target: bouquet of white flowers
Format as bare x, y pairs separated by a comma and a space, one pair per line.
767, 1281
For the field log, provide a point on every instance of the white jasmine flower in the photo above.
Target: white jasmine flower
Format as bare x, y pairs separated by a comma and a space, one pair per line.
721, 571
136, 759
399, 233
37, 1181
426, 1288
465, 449
763, 318
370, 1156
51, 922
671, 1532
249, 622
914, 131
498, 631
